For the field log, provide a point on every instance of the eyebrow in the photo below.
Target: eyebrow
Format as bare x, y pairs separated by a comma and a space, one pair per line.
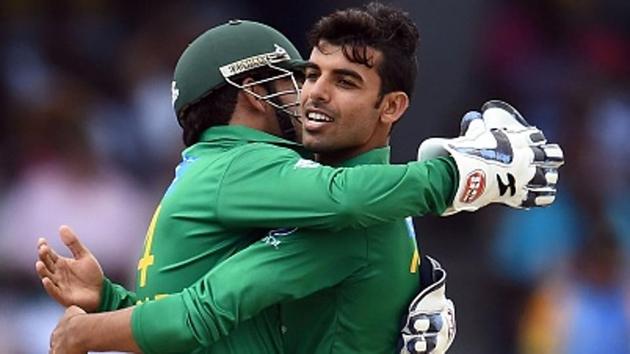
339, 72
348, 72
311, 65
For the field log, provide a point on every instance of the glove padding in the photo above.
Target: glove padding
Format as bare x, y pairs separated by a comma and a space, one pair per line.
500, 159
430, 325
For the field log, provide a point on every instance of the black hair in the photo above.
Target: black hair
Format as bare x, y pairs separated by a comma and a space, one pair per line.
384, 28
214, 109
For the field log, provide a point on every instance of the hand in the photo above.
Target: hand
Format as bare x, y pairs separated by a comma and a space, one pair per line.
70, 281
430, 324
500, 159
65, 339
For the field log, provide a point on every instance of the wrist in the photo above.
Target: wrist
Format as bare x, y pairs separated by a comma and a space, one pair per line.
80, 332
99, 294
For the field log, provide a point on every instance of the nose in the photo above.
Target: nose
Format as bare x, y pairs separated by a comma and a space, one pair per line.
316, 90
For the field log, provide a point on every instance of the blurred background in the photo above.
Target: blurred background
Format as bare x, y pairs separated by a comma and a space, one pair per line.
89, 139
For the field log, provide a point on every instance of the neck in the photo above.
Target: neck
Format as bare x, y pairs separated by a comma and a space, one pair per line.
257, 110
253, 119
379, 139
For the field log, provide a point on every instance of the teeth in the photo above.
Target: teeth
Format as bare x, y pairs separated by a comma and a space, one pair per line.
319, 117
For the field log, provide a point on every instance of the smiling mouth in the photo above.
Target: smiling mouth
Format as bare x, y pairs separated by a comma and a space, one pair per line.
319, 117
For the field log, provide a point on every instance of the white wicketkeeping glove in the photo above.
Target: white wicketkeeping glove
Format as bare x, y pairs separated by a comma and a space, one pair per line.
430, 326
500, 159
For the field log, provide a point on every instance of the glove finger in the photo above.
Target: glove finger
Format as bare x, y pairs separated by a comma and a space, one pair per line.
501, 115
475, 126
466, 120
539, 197
548, 155
418, 323
536, 137
544, 177
554, 154
417, 345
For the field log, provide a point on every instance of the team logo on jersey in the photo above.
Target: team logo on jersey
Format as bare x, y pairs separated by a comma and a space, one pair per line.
274, 237
305, 163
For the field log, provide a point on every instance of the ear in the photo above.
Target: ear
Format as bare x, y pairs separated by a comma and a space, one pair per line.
393, 106
253, 101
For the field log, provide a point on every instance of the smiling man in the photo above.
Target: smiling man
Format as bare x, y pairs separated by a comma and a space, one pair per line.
358, 83
326, 279
348, 107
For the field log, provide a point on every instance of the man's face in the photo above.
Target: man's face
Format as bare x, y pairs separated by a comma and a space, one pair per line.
339, 103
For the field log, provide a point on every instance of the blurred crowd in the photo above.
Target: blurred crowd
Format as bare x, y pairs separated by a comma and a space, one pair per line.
89, 139
564, 271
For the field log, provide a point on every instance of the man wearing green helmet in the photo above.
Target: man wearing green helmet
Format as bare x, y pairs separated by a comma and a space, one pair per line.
218, 58
355, 278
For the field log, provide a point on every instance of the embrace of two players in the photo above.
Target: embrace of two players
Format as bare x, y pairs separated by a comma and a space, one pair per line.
307, 285
501, 159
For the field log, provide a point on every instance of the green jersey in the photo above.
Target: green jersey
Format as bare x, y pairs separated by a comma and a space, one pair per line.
232, 185
352, 285
366, 279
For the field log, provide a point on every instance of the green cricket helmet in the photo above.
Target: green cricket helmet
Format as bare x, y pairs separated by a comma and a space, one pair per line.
224, 52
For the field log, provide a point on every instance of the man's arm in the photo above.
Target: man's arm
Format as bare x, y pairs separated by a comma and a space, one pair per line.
79, 332
499, 159
236, 290
264, 274
270, 187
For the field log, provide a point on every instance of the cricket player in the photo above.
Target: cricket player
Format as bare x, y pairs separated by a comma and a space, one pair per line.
208, 310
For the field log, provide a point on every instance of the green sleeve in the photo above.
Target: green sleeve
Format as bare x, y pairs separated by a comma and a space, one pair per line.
453, 175
154, 334
281, 190
115, 297
246, 283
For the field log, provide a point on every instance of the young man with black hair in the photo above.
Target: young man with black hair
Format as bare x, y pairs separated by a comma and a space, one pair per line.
353, 281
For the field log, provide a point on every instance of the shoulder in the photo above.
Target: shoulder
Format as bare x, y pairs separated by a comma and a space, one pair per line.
265, 148
261, 154
255, 160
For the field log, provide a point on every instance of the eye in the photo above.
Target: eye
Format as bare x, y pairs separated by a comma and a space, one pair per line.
346, 83
311, 75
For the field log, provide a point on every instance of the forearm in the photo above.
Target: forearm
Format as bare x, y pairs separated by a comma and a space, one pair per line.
242, 286
327, 198
167, 326
107, 331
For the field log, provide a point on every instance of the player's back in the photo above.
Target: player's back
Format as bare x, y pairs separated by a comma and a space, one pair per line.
186, 238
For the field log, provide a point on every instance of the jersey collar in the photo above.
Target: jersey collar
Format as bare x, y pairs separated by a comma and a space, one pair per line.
243, 133
378, 156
